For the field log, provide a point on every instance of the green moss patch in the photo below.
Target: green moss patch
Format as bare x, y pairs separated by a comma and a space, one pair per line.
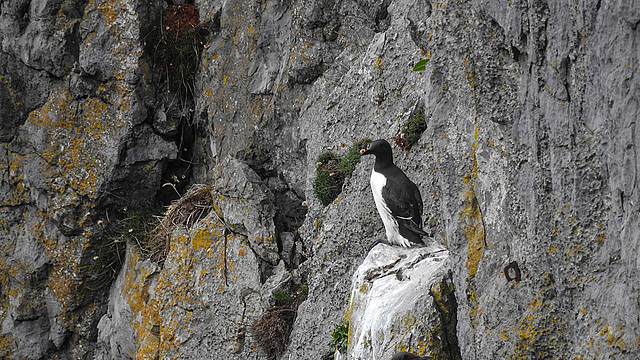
332, 170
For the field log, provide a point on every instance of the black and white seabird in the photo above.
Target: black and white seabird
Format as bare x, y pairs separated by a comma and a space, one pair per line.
403, 355
397, 198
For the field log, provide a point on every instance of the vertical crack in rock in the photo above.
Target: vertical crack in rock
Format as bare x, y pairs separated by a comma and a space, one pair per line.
444, 297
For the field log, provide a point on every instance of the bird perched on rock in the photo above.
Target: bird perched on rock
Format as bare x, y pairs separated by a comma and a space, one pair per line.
403, 355
397, 199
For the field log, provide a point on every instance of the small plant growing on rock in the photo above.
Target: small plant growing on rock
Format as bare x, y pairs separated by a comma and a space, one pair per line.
331, 171
340, 337
351, 159
420, 65
328, 182
281, 298
411, 130
175, 45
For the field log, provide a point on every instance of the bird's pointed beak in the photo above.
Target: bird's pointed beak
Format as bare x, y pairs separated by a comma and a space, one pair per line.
362, 151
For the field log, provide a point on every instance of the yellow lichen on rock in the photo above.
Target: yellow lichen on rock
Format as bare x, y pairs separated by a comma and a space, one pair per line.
145, 308
76, 136
473, 224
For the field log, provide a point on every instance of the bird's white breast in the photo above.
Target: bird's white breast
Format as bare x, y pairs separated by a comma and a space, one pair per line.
378, 181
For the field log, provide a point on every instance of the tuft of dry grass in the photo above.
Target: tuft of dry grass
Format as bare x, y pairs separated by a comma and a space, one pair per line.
272, 329
196, 204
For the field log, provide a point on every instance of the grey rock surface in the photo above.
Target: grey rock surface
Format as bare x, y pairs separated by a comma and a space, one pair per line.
116, 337
527, 169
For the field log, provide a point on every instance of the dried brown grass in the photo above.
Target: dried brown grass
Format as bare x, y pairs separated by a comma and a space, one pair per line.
272, 329
196, 204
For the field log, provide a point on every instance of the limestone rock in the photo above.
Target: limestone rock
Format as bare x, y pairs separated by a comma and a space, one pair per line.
248, 206
116, 337
392, 308
527, 169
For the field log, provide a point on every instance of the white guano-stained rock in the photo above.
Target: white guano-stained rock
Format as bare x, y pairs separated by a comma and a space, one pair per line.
391, 307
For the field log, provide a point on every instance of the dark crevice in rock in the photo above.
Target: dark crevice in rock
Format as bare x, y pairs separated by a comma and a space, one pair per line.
444, 298
309, 74
177, 172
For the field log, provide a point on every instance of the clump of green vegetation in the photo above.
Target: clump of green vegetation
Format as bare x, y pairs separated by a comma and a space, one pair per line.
175, 45
141, 222
302, 293
328, 182
351, 159
331, 171
340, 337
412, 130
293, 297
282, 298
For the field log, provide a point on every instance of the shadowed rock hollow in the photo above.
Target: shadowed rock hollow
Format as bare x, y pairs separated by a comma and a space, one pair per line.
527, 169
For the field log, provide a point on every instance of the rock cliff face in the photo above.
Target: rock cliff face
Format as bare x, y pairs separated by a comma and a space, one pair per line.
528, 170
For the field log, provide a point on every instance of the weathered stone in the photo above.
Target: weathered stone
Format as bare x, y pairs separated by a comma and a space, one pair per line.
527, 167
248, 207
391, 308
116, 337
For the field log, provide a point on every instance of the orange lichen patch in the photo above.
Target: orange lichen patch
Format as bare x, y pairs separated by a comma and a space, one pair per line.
108, 11
526, 333
473, 231
175, 288
422, 348
7, 271
552, 249
64, 281
77, 134
473, 224
17, 193
243, 251
14, 99
475, 309
535, 303
201, 240
146, 309
614, 338
540, 325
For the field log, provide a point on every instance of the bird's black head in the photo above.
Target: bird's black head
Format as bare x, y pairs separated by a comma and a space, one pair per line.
382, 150
378, 148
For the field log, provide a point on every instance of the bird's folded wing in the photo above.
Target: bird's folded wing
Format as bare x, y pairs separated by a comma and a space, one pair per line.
399, 200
